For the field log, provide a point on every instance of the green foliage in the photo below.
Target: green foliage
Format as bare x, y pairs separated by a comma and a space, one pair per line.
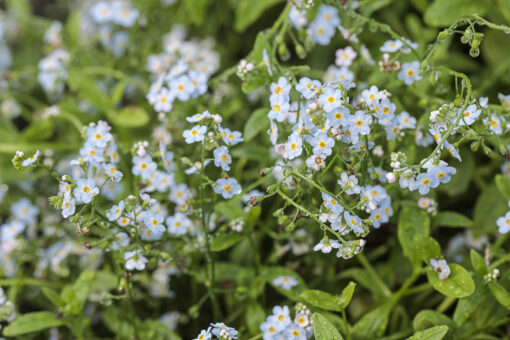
32, 322
459, 284
323, 329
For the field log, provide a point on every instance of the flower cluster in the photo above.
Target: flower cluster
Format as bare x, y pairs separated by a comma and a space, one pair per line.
181, 72
52, 71
23, 218
109, 15
227, 187
219, 330
322, 118
280, 325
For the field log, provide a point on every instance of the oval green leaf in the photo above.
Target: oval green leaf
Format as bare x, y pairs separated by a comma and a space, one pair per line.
323, 329
459, 284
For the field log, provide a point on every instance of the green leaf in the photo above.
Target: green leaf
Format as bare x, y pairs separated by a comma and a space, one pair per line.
115, 320
323, 329
478, 262
261, 44
488, 207
459, 284
32, 322
433, 333
86, 88
53, 296
466, 306
39, 130
231, 209
503, 184
197, 10
500, 293
451, 219
129, 117
328, 301
225, 241
254, 317
445, 13
459, 183
426, 247
20, 10
373, 324
413, 221
252, 217
256, 123
430, 318
72, 28
253, 82
248, 11
494, 48
365, 279
347, 293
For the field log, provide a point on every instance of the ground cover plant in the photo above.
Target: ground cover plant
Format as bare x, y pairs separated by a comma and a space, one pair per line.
240, 169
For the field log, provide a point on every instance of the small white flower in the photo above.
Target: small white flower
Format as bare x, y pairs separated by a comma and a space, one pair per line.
32, 159
195, 134
441, 268
134, 260
227, 187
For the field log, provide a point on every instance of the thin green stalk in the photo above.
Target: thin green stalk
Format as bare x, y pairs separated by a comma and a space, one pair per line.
308, 213
377, 280
210, 262
319, 187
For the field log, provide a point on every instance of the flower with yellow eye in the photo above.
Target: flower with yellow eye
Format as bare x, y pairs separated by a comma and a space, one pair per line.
123, 14
354, 222
195, 134
115, 212
231, 137
294, 146
345, 56
406, 121
114, 174
222, 158
143, 166
494, 124
227, 187
391, 46
135, 260
101, 12
503, 223
99, 135
470, 114
68, 206
410, 72
425, 181
330, 99
179, 224
279, 109
280, 89
153, 221
32, 159
85, 190
308, 87
11, 229
322, 144
285, 281
163, 100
